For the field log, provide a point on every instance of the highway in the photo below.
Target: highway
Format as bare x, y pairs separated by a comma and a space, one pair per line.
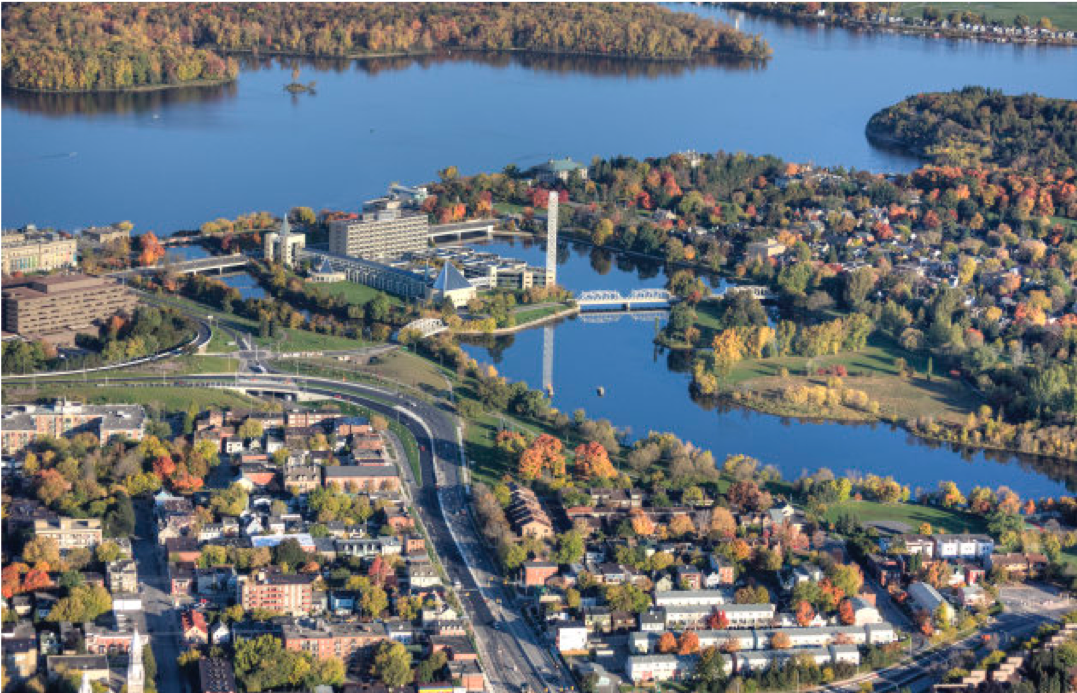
513, 656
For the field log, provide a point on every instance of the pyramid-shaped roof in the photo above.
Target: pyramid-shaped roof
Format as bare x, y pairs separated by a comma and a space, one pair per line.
324, 268
450, 279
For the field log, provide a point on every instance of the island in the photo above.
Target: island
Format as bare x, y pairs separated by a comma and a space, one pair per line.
71, 48
974, 126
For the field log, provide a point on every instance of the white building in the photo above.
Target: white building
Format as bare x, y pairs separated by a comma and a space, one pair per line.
692, 598
655, 668
571, 637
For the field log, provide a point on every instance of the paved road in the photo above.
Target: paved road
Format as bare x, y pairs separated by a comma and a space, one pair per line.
514, 657
158, 618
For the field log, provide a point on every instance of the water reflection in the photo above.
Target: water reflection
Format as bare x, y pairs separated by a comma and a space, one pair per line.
115, 103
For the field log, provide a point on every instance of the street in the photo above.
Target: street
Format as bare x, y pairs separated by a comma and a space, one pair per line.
157, 619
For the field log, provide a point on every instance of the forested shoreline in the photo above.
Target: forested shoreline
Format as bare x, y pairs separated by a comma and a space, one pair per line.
974, 126
65, 47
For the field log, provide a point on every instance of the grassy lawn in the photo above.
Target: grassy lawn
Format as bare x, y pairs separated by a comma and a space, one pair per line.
356, 293
911, 514
508, 208
301, 340
871, 370
221, 342
1063, 15
168, 398
531, 314
404, 367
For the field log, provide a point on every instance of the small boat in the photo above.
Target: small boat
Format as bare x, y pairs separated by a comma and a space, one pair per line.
601, 391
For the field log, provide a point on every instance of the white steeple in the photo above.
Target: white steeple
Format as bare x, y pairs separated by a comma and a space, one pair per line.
136, 676
85, 686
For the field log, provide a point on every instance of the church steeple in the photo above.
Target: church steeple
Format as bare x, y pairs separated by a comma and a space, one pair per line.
285, 227
136, 675
85, 687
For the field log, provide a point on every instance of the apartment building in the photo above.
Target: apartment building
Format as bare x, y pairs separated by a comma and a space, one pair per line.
275, 591
22, 424
100, 236
344, 641
56, 308
379, 234
69, 532
31, 250
363, 477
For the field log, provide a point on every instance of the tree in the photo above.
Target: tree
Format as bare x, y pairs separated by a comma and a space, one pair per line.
722, 522
429, 669
728, 349
667, 643
718, 621
858, 284
392, 664
593, 462
43, 552
82, 604
374, 602
804, 614
689, 644
570, 547
846, 613
251, 428
781, 641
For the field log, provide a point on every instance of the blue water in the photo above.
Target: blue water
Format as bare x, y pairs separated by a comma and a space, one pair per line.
175, 159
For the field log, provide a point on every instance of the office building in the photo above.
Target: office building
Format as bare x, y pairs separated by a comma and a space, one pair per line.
59, 307
31, 250
381, 233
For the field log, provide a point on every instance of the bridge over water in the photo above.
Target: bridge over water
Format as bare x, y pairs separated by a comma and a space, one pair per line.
606, 299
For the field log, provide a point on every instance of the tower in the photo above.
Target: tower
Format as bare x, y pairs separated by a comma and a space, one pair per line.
136, 675
547, 359
551, 239
85, 686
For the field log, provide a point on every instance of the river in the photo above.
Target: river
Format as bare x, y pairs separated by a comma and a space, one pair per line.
173, 159
646, 389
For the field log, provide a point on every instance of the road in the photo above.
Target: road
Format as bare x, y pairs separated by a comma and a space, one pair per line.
513, 655
158, 618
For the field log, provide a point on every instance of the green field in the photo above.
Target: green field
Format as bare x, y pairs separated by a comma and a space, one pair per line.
356, 293
168, 398
1062, 14
911, 514
527, 315
221, 342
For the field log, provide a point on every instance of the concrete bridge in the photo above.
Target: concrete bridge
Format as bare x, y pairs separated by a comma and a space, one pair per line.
604, 299
218, 263
480, 228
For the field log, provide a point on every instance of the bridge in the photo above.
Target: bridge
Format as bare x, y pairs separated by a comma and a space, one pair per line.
605, 299
426, 327
220, 263
480, 228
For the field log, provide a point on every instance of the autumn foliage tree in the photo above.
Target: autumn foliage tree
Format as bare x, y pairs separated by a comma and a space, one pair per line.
544, 454
846, 613
804, 614
718, 621
689, 644
667, 643
593, 462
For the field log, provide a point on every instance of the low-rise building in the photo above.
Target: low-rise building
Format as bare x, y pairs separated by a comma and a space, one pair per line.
363, 477
69, 532
122, 576
58, 307
22, 424
275, 591
30, 250
571, 637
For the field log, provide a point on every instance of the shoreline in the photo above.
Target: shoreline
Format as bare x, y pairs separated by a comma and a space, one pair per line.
903, 29
357, 57
568, 312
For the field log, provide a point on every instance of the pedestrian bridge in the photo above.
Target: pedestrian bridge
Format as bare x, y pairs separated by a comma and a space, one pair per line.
218, 263
426, 327
605, 299
761, 293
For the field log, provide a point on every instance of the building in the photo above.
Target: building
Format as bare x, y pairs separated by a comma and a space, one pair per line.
556, 170
136, 675
926, 598
22, 424
344, 641
19, 650
93, 667
56, 308
31, 251
379, 234
526, 515
571, 637
302, 478
194, 628
691, 598
536, 573
450, 285
363, 477
100, 236
763, 250
377, 275
275, 591
70, 533
122, 576
283, 246
656, 668
325, 274
216, 675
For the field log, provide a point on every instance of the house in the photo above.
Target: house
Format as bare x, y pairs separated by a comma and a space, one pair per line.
647, 669
865, 613
970, 596
536, 573
122, 576
556, 170
763, 250
20, 653
526, 515
421, 575
1019, 565
69, 533
302, 478
571, 638
724, 569
183, 549
219, 634
93, 667
365, 477
968, 546
194, 628
689, 577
